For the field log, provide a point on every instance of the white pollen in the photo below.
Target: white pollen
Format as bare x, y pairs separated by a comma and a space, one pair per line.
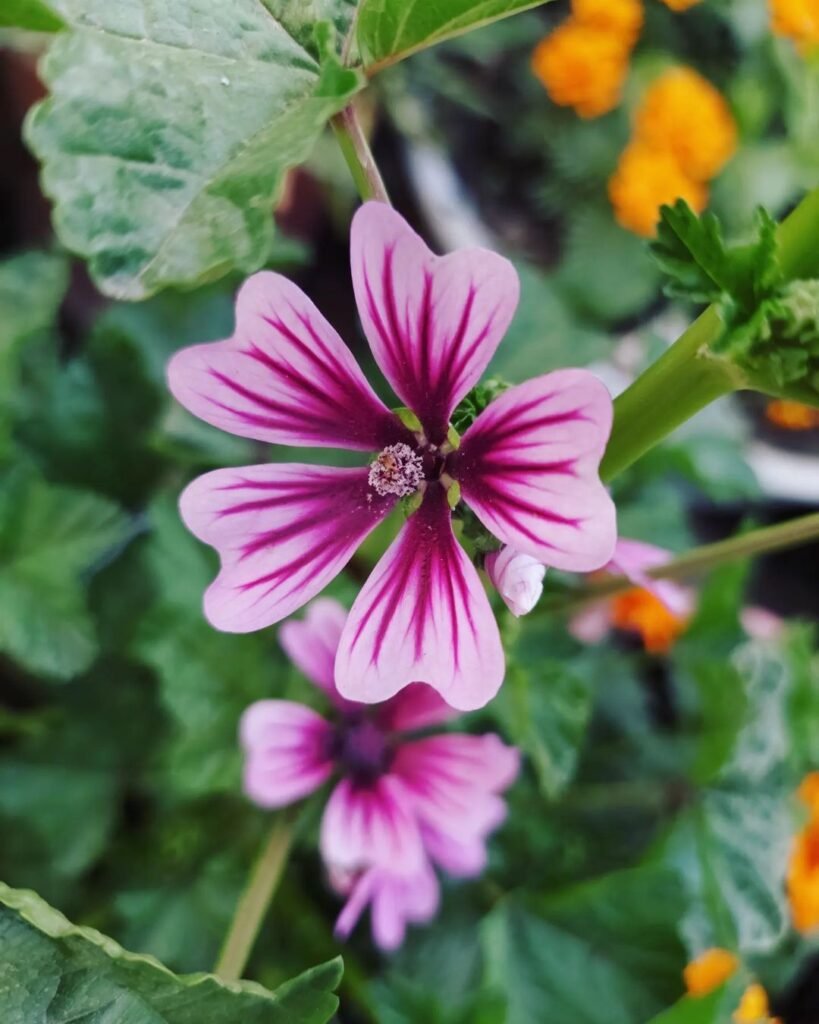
397, 470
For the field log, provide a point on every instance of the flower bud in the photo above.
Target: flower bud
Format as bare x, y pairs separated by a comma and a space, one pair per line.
517, 577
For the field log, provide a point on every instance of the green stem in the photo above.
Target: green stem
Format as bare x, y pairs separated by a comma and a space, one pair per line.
756, 542
254, 902
687, 377
683, 380
356, 151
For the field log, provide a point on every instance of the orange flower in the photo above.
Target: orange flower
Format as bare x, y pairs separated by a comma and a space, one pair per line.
680, 5
685, 115
803, 869
645, 179
710, 970
621, 18
798, 20
640, 611
792, 415
753, 1007
581, 67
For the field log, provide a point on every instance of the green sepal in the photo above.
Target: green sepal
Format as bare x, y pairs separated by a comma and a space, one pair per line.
411, 503
453, 438
409, 419
453, 494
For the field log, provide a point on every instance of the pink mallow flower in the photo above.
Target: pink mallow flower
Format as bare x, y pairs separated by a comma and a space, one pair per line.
399, 804
527, 466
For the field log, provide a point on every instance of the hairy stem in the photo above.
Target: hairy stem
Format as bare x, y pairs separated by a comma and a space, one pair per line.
756, 542
356, 150
687, 377
254, 902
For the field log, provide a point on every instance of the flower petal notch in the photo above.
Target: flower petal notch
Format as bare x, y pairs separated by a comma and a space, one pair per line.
433, 322
528, 467
528, 464
422, 615
284, 377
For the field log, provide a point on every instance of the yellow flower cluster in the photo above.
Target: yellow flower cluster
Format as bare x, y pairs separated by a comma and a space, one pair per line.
797, 20
713, 968
684, 133
803, 870
584, 62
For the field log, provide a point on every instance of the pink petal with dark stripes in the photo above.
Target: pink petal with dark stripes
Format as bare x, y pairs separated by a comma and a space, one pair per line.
417, 706
370, 826
528, 467
286, 752
433, 322
283, 532
423, 616
285, 377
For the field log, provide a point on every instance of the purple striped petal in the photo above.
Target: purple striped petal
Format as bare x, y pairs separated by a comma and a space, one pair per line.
433, 322
423, 615
528, 467
370, 826
283, 532
286, 752
633, 558
285, 377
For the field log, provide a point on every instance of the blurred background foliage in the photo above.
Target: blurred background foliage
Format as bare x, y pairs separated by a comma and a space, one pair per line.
656, 810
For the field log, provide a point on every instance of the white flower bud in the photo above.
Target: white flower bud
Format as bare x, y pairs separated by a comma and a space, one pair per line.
517, 577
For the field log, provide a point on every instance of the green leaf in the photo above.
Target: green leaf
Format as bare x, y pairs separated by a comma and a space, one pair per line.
715, 1008
51, 969
623, 281
31, 289
207, 678
168, 174
605, 952
389, 30
731, 846
701, 267
301, 18
545, 707
33, 15
48, 536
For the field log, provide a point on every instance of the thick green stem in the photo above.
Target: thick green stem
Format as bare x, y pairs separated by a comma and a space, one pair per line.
356, 150
683, 380
254, 902
688, 377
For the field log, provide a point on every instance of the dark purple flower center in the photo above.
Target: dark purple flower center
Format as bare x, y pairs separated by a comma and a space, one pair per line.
362, 751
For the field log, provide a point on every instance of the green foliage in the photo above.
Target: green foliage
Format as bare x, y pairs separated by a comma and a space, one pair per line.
168, 175
731, 846
715, 1008
389, 30
48, 966
29, 14
545, 707
770, 326
605, 952
31, 288
48, 536
207, 678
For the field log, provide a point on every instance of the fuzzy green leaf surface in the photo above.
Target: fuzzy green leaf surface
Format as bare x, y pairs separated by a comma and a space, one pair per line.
168, 175
52, 970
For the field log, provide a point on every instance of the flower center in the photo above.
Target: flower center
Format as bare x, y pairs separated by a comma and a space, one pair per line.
361, 750
397, 470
